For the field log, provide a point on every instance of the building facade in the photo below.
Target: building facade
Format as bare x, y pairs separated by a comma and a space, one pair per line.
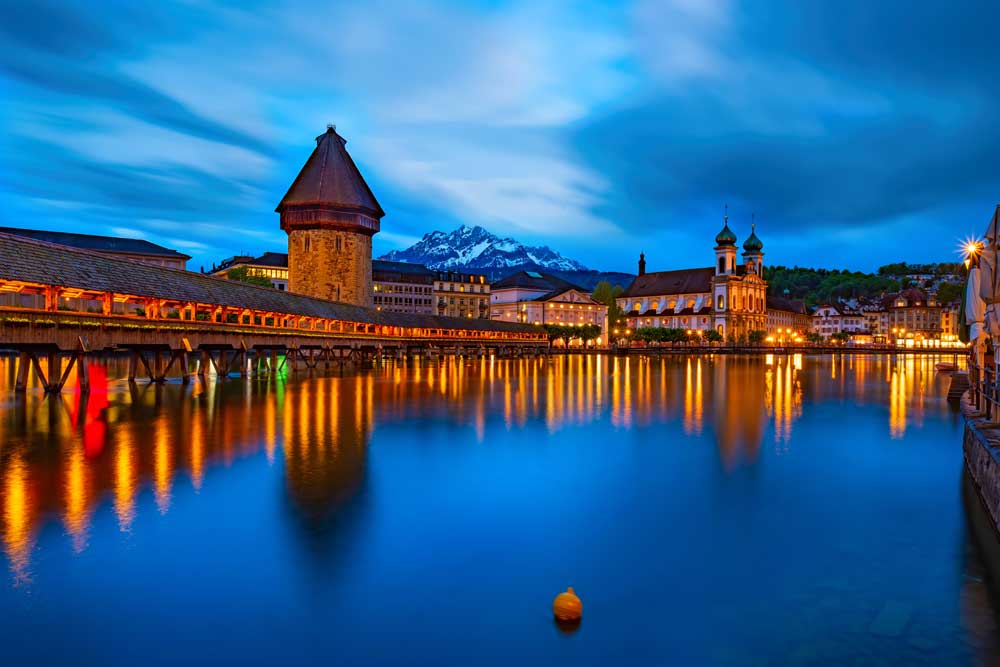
787, 316
461, 294
531, 297
829, 320
330, 215
729, 297
270, 265
401, 287
136, 250
951, 321
912, 314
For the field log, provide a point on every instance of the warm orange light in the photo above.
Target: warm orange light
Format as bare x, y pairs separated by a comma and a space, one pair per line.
971, 247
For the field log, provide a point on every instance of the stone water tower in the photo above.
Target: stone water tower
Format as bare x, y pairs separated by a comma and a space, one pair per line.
330, 215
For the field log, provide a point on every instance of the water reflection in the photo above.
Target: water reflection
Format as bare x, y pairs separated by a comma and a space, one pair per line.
62, 458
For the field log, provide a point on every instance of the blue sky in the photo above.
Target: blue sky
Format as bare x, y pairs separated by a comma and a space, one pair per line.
860, 133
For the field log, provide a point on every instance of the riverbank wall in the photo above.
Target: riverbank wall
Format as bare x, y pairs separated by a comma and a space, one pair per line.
981, 447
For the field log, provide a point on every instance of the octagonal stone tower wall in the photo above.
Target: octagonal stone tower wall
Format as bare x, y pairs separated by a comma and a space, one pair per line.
330, 215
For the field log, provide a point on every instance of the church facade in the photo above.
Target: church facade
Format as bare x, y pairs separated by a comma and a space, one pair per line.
729, 297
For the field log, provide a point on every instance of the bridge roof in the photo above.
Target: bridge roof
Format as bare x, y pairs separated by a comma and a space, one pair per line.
31, 261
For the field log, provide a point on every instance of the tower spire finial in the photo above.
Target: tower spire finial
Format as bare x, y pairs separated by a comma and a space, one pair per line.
753, 222
726, 216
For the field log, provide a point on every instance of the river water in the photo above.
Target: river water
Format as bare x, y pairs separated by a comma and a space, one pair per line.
707, 510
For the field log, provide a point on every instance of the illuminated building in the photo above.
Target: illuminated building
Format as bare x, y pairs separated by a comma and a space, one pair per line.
786, 315
913, 312
727, 297
829, 320
401, 287
270, 265
540, 298
459, 294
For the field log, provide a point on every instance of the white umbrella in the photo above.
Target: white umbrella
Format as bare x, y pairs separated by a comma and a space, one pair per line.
975, 313
989, 282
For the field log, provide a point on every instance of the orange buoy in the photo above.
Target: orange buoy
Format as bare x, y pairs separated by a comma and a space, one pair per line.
567, 606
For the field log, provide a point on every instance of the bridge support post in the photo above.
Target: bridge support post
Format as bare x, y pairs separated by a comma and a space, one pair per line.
23, 366
185, 372
159, 373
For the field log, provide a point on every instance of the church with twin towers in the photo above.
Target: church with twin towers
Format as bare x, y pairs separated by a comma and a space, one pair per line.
729, 297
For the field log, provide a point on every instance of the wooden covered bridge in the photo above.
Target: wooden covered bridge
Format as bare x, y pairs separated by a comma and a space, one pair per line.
59, 304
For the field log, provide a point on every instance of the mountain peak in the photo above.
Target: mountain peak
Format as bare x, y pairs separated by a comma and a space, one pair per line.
472, 247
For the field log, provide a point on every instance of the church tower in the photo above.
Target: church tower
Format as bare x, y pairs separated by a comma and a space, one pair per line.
330, 215
725, 275
753, 252
725, 249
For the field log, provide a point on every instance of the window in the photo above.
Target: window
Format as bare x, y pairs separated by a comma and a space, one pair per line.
305, 243
722, 265
338, 242
721, 303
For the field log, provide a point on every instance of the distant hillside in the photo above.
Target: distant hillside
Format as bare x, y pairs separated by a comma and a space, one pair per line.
589, 279
817, 286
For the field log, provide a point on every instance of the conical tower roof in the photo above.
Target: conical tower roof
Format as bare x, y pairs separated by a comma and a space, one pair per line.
330, 179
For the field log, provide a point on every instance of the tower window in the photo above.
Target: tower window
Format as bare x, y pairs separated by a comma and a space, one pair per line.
305, 243
722, 265
338, 242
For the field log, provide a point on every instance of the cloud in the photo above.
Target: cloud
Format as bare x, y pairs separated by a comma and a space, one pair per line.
598, 128
745, 107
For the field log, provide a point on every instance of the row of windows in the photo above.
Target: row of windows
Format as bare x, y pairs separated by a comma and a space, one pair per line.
280, 274
385, 300
459, 278
470, 301
450, 287
401, 289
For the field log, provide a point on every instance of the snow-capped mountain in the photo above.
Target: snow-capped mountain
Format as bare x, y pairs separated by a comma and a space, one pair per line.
475, 248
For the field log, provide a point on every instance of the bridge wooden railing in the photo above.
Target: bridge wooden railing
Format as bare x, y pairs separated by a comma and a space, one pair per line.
71, 307
45, 323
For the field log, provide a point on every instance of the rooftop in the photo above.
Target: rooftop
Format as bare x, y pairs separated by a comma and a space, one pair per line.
400, 267
797, 306
97, 243
681, 281
272, 259
330, 178
536, 281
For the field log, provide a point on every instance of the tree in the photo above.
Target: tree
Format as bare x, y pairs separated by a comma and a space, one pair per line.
756, 337
814, 337
588, 332
243, 275
841, 336
713, 336
566, 333
950, 292
606, 294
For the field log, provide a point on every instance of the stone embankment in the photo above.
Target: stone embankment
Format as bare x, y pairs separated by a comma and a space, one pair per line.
981, 444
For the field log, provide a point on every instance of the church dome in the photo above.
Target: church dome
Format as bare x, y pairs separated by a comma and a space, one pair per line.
726, 236
753, 244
